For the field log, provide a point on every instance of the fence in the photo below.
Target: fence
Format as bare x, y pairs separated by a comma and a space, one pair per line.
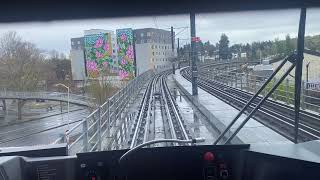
74, 98
310, 93
106, 127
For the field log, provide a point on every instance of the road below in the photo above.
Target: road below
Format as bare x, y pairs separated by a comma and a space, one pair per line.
42, 131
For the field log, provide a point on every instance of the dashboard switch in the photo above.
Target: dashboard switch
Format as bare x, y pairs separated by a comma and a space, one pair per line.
208, 156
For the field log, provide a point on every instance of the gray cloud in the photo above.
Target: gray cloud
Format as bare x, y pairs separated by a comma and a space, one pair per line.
241, 27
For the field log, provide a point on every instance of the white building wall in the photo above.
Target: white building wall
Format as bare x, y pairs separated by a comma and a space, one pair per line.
77, 65
143, 58
162, 55
153, 56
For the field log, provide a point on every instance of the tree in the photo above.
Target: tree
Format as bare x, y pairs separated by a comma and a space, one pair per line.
100, 90
289, 45
280, 46
19, 63
63, 68
224, 47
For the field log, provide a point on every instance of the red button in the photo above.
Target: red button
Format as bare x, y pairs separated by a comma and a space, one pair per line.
208, 156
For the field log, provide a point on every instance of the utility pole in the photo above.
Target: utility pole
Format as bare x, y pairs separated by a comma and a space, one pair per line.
178, 53
136, 73
193, 54
298, 71
172, 47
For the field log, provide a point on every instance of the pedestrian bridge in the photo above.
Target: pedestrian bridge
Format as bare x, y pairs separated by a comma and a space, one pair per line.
44, 95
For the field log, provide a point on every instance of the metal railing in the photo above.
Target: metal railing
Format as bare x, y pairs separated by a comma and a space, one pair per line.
106, 127
310, 94
57, 96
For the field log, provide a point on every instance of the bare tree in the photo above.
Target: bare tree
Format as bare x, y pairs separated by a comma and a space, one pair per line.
19, 63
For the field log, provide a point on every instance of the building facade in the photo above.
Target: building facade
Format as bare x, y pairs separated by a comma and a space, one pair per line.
113, 39
78, 67
77, 54
153, 49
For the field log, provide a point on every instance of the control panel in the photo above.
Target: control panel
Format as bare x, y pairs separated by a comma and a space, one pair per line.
180, 162
216, 162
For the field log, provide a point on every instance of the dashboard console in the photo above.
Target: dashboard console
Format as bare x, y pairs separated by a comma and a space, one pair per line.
205, 162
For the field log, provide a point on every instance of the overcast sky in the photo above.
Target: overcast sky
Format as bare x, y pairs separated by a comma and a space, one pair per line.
240, 27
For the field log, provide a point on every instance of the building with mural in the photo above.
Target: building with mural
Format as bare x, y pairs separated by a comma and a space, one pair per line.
126, 55
123, 54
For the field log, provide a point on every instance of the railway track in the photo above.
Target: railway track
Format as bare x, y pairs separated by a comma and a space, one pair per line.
275, 115
158, 117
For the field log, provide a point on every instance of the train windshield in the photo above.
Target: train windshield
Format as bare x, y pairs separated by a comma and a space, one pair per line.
116, 83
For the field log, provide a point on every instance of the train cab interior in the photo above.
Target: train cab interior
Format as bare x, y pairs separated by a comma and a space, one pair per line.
188, 161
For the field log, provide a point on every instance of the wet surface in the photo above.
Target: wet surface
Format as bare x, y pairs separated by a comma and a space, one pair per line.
221, 114
42, 131
197, 124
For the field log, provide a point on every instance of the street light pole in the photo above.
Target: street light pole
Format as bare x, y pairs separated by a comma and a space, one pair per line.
307, 66
68, 120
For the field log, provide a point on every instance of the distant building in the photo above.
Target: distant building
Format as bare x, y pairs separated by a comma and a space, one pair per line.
77, 59
77, 54
153, 49
234, 55
243, 55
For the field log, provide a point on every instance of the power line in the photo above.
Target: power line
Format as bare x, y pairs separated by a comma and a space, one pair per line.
178, 27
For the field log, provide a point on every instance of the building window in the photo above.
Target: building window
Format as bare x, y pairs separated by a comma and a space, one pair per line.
113, 51
165, 47
148, 34
152, 53
78, 42
156, 46
162, 53
141, 34
72, 43
152, 47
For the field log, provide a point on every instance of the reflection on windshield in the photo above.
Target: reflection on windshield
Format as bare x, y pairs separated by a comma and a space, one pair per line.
104, 84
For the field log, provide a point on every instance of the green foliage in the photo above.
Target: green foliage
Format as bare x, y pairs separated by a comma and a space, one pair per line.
100, 90
224, 47
281, 92
277, 47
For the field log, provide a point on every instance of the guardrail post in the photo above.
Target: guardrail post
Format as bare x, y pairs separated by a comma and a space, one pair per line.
287, 91
247, 81
241, 82
236, 79
109, 118
275, 91
99, 128
85, 135
303, 95
255, 85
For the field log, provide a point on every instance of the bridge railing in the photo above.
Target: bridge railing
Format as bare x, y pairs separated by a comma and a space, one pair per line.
43, 95
310, 93
105, 128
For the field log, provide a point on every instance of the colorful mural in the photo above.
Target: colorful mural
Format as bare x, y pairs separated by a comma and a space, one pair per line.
98, 54
125, 53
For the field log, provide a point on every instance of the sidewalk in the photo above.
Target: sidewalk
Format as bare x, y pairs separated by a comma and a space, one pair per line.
221, 114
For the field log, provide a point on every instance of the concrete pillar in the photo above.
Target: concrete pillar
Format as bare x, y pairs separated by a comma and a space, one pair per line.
4, 105
21, 102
